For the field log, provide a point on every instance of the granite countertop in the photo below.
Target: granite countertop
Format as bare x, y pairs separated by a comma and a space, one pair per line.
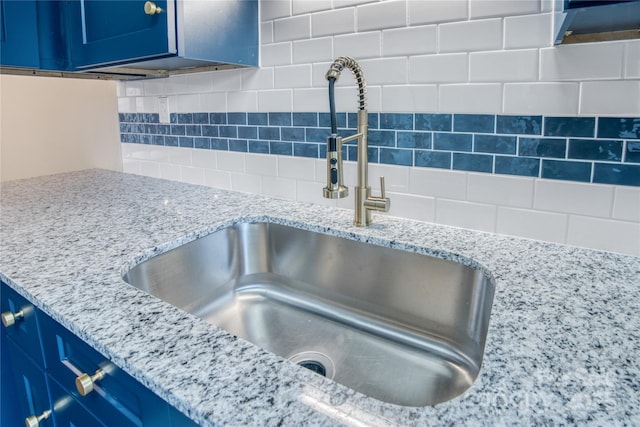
562, 346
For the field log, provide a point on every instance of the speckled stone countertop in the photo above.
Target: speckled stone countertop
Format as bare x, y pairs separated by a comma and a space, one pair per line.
562, 347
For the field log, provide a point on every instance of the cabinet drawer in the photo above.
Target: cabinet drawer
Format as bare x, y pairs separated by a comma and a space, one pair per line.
116, 399
68, 412
22, 326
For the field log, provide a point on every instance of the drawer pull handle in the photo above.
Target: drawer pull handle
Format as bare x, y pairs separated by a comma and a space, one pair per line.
9, 318
34, 421
84, 382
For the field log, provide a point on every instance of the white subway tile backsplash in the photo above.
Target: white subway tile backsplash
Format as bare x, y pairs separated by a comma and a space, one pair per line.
231, 161
275, 54
396, 177
449, 68
293, 76
147, 104
281, 188
319, 71
530, 31
309, 6
246, 183
617, 236
410, 41
315, 99
135, 88
347, 99
314, 50
311, 192
341, 21
632, 60
297, 168
192, 175
385, 71
261, 164
436, 183
575, 198
504, 66
226, 80
500, 190
550, 227
344, 3
127, 105
626, 204
578, 61
204, 159
362, 45
471, 36
272, 9
403, 98
257, 78
217, 178
475, 216
413, 207
148, 168
435, 11
170, 171
178, 156
266, 32
133, 166
294, 28
383, 15
471, 98
500, 8
541, 98
610, 97
213, 102
187, 103
275, 100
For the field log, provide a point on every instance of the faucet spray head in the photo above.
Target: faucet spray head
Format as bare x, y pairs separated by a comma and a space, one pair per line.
335, 188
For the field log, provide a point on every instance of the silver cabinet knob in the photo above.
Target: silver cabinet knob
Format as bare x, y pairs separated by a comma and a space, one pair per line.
150, 8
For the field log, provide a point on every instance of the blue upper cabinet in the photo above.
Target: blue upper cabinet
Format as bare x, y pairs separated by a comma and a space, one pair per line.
582, 21
104, 32
164, 35
19, 34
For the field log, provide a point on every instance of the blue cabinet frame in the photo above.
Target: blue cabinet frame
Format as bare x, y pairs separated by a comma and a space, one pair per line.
19, 34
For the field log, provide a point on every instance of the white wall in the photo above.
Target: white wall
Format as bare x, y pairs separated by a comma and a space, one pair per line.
448, 56
52, 125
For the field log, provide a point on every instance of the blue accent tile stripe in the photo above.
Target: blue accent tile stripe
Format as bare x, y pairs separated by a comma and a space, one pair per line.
604, 150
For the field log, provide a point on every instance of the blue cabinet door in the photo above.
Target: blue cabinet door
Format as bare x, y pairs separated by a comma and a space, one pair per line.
117, 32
19, 34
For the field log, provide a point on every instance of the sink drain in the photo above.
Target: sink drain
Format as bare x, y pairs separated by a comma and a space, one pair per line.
314, 361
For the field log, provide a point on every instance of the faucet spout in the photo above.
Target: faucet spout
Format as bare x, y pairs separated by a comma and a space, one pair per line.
365, 203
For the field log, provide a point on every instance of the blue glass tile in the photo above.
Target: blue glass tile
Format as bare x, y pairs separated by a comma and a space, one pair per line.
523, 166
570, 126
247, 132
202, 143
619, 127
433, 159
452, 141
186, 141
135, 128
260, 119
193, 130
150, 128
473, 162
434, 122
608, 173
474, 123
292, 134
218, 118
122, 117
282, 148
590, 149
173, 118
396, 121
632, 152
228, 131
266, 132
395, 156
522, 125
146, 139
237, 118
257, 146
185, 118
305, 119
305, 150
384, 138
324, 120
566, 170
201, 118
323, 152
220, 144
317, 134
178, 130
414, 140
210, 130
373, 120
239, 145
164, 129
494, 144
157, 140
279, 119
171, 141
542, 147
373, 154
124, 127
133, 138
151, 118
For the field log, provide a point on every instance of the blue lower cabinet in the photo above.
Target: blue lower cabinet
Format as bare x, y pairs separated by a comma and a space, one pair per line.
67, 411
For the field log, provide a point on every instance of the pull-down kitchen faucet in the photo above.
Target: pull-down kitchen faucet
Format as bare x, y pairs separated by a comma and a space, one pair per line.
364, 201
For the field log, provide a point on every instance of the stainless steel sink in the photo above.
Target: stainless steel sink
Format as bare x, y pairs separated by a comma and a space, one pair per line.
400, 327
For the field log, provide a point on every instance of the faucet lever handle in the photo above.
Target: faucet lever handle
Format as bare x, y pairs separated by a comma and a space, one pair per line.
382, 195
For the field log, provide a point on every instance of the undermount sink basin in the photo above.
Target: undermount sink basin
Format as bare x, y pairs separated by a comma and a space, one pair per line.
397, 326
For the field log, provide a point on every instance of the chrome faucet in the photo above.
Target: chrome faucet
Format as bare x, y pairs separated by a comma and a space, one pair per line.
364, 201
